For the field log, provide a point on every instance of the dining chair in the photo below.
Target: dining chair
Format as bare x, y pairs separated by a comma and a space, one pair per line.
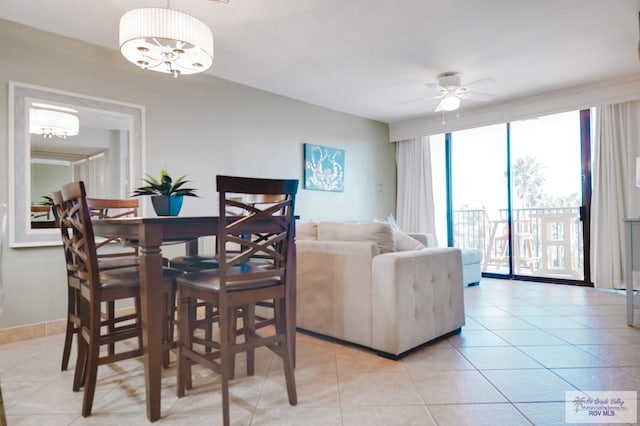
99, 208
237, 285
95, 288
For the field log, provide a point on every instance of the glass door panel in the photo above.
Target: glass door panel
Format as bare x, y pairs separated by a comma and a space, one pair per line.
546, 197
479, 194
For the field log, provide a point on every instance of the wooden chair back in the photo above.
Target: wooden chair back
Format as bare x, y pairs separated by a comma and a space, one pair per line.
109, 208
77, 235
265, 230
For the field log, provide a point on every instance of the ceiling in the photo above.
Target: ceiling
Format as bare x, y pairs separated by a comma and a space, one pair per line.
368, 57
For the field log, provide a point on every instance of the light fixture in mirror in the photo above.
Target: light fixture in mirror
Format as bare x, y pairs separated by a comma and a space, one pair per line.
53, 120
106, 153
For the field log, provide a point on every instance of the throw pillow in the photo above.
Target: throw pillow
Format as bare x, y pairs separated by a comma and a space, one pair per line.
377, 232
406, 243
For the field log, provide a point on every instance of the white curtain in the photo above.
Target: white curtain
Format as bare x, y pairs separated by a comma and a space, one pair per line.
615, 196
92, 171
414, 203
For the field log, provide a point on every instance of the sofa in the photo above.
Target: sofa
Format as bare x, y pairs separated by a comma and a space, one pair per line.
373, 286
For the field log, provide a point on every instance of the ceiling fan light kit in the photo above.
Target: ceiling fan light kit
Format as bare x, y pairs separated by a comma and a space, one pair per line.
450, 103
166, 40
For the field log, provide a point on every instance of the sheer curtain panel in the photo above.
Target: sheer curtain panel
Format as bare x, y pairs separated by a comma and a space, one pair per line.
414, 203
615, 195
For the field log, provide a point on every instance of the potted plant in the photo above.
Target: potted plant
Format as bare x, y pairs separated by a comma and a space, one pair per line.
166, 194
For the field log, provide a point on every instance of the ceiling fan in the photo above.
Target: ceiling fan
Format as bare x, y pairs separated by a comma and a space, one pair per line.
452, 91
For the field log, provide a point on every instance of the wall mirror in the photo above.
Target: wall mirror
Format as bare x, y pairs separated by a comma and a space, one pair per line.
57, 137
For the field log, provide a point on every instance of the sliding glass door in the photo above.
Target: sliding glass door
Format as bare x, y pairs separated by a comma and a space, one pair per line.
479, 194
546, 188
515, 192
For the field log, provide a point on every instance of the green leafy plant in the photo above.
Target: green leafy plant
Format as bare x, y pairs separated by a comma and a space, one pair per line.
165, 186
46, 200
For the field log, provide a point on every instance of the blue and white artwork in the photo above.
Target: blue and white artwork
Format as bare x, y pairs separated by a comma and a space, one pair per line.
323, 168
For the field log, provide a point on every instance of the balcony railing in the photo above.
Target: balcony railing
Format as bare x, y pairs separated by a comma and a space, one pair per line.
546, 241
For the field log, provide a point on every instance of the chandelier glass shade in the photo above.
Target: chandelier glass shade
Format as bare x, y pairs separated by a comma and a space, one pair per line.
50, 123
450, 103
166, 40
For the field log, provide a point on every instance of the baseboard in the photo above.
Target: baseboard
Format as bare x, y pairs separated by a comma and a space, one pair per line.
31, 331
42, 329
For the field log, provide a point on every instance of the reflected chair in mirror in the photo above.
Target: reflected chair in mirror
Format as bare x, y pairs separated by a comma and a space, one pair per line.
97, 288
40, 212
237, 285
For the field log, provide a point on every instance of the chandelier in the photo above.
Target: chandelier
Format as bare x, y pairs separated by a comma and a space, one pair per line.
166, 40
51, 120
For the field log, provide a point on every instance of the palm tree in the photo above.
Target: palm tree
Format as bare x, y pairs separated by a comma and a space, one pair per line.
528, 179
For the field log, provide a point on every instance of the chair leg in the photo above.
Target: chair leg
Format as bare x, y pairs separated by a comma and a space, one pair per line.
287, 362
227, 327
248, 325
3, 417
111, 314
91, 373
68, 340
186, 321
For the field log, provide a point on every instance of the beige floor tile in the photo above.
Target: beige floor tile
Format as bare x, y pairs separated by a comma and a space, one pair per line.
294, 416
564, 356
405, 415
477, 415
485, 311
244, 393
439, 358
588, 336
313, 390
42, 419
527, 310
601, 321
503, 323
471, 324
600, 379
543, 413
373, 389
629, 334
529, 385
529, 337
618, 355
451, 387
551, 322
350, 359
476, 338
56, 397
207, 417
498, 358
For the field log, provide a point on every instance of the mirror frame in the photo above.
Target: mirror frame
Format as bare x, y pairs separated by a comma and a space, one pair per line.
21, 233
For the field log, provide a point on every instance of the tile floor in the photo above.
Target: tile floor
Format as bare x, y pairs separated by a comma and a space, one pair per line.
524, 345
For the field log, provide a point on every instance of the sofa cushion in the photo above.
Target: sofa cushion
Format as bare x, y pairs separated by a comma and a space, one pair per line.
306, 231
378, 232
405, 243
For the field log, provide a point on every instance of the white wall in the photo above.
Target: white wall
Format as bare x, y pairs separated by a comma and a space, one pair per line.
196, 125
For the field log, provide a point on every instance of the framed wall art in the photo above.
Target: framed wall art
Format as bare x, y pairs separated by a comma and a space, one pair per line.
323, 168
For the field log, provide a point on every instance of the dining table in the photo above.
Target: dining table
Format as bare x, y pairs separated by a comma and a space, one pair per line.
150, 233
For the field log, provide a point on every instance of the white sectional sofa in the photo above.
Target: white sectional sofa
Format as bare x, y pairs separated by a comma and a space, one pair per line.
367, 284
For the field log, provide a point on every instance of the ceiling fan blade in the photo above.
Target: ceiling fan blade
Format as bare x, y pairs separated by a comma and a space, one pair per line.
423, 98
439, 107
482, 80
477, 96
